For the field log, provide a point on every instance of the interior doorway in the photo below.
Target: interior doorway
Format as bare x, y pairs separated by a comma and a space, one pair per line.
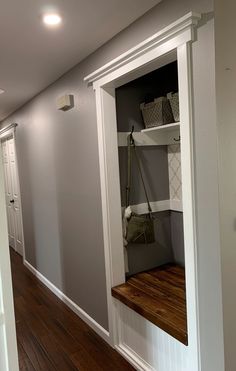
12, 191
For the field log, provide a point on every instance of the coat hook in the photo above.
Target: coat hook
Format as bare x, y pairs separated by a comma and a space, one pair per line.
177, 140
131, 138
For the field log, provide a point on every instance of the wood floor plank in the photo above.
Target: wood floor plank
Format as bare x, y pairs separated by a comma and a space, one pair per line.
151, 290
157, 281
38, 357
159, 313
52, 337
60, 359
46, 339
24, 361
83, 363
159, 296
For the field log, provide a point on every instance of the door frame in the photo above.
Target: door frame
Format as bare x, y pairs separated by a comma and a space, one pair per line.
151, 54
7, 319
6, 132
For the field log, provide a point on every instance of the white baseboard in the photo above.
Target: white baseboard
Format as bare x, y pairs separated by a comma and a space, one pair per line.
133, 358
74, 307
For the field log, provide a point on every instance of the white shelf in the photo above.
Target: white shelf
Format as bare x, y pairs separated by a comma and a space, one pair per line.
162, 128
158, 135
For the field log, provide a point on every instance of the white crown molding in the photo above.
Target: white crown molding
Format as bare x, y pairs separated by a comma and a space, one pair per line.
7, 129
189, 21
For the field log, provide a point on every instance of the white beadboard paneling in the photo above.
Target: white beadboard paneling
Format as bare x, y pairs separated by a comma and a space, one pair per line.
156, 349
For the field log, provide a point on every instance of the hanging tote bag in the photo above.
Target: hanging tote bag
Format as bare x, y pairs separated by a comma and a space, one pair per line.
139, 228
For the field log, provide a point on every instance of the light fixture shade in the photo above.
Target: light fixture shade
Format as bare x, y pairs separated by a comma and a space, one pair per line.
52, 19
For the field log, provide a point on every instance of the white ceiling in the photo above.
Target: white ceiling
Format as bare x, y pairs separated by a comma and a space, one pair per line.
33, 56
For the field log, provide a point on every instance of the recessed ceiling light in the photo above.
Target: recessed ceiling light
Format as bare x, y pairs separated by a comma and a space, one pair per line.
2, 91
52, 19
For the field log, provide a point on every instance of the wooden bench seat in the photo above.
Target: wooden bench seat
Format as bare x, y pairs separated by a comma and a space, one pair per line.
159, 296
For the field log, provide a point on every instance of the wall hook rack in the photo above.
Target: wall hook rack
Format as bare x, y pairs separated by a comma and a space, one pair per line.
178, 139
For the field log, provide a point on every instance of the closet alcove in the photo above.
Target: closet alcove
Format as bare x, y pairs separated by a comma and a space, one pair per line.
150, 325
155, 279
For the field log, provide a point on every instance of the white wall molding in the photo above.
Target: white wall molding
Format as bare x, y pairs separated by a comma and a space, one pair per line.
133, 358
8, 344
186, 22
157, 206
74, 307
176, 205
8, 130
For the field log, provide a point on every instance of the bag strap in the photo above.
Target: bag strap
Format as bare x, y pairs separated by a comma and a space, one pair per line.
131, 146
129, 166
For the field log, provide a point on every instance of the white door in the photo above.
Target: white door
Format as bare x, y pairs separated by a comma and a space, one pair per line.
8, 347
12, 195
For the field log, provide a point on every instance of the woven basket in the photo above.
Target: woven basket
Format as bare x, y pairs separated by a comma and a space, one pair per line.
174, 102
157, 113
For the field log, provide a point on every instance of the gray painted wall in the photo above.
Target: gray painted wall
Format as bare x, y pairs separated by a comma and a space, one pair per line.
142, 257
144, 89
169, 245
154, 164
58, 161
177, 236
226, 113
153, 159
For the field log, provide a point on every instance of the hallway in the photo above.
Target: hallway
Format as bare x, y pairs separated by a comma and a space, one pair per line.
50, 336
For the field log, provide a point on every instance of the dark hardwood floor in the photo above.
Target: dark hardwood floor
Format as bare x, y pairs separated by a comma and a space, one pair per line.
50, 336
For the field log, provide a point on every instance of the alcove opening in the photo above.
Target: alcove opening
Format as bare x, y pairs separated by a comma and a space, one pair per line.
155, 278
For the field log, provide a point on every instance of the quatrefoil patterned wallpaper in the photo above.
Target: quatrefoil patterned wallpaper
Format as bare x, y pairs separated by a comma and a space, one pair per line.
175, 179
